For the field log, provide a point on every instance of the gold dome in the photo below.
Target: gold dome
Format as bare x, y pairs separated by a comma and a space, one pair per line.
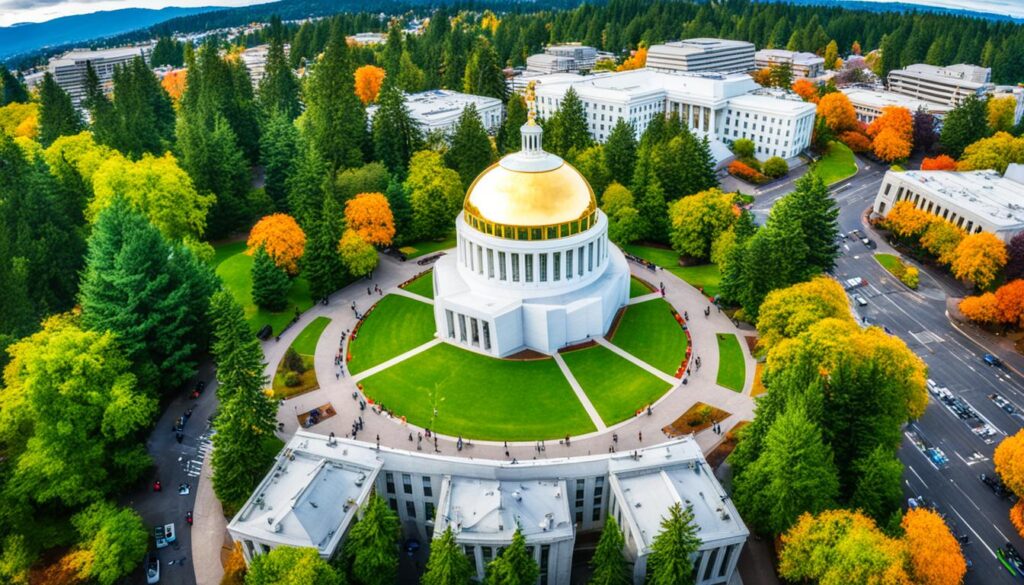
502, 198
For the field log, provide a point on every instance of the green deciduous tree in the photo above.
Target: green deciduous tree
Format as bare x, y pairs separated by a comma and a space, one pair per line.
270, 284
358, 256
470, 151
592, 163
698, 220
788, 312
396, 136
287, 565
609, 564
371, 545
670, 561
435, 193
965, 125
57, 117
113, 541
447, 565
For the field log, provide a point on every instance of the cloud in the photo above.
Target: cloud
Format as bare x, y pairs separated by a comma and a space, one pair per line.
30, 4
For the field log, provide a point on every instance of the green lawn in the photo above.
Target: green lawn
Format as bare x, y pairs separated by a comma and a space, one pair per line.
732, 370
236, 272
650, 332
481, 397
705, 276
888, 261
222, 252
615, 386
417, 249
423, 285
637, 288
305, 343
397, 325
837, 164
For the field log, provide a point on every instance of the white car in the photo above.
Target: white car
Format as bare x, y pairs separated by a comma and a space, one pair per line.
164, 535
853, 283
860, 300
152, 569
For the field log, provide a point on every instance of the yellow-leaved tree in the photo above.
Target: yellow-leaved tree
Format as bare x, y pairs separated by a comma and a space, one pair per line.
981, 308
979, 258
280, 235
788, 312
934, 553
1009, 460
906, 220
369, 214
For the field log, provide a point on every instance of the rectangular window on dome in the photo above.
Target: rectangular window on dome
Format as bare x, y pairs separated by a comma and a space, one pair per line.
462, 328
490, 263
535, 234
580, 262
529, 267
475, 329
502, 271
556, 261
479, 259
542, 268
552, 232
590, 257
487, 336
568, 264
450, 317
522, 233
515, 267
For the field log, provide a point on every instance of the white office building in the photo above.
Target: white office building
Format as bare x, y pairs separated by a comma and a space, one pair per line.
720, 107
694, 55
367, 38
869, 103
974, 201
69, 69
803, 65
439, 109
941, 85
568, 58
312, 495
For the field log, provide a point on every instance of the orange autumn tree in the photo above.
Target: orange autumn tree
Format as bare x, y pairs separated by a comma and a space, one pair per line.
855, 48
282, 238
370, 216
369, 78
636, 61
890, 146
174, 83
762, 76
1010, 302
1009, 460
806, 90
838, 112
943, 162
893, 133
935, 556
979, 258
981, 308
906, 220
855, 140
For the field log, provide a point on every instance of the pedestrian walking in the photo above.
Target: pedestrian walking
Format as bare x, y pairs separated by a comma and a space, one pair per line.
640, 436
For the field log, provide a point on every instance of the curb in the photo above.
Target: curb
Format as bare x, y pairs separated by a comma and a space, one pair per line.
979, 344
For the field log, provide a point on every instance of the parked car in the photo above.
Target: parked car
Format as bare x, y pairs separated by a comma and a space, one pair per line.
869, 243
152, 568
992, 360
994, 484
164, 535
857, 234
860, 300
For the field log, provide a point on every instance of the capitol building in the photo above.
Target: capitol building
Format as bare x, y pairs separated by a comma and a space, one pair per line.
534, 268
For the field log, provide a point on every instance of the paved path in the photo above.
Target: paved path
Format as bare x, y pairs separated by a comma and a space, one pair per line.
580, 394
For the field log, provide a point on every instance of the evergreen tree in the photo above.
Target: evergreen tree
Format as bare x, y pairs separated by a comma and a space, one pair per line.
568, 130
793, 474
447, 565
650, 200
167, 51
278, 150
775, 257
965, 125
879, 490
470, 151
670, 561
609, 564
335, 120
321, 263
101, 111
216, 163
702, 174
401, 210
246, 420
819, 221
306, 185
732, 287
410, 78
620, 152
371, 545
509, 136
153, 295
515, 565
57, 117
270, 284
391, 56
143, 117
484, 75
279, 88
12, 90
395, 134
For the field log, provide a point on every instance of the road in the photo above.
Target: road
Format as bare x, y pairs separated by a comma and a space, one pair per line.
954, 361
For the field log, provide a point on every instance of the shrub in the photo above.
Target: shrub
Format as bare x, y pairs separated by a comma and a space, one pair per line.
292, 379
856, 141
911, 277
746, 172
775, 167
293, 361
743, 148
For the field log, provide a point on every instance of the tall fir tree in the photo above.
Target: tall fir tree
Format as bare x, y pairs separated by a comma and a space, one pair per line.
670, 561
154, 295
279, 88
143, 117
447, 564
371, 544
167, 51
818, 217
278, 150
470, 151
651, 205
391, 56
733, 286
879, 488
567, 130
965, 125
12, 90
270, 284
395, 134
335, 120
509, 137
401, 210
57, 116
620, 152
306, 184
215, 161
515, 565
484, 75
609, 564
101, 112
321, 263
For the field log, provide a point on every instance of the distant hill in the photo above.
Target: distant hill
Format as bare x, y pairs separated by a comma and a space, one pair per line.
982, 9
29, 37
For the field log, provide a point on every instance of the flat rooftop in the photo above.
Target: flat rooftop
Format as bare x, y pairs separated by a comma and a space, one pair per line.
491, 509
769, 103
797, 58
697, 46
998, 199
676, 472
441, 104
880, 99
76, 55
970, 75
640, 82
311, 495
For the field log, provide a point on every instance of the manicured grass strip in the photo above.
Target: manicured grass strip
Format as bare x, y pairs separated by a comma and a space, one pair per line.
637, 288
888, 261
423, 285
305, 343
222, 252
395, 326
236, 272
480, 397
705, 276
650, 332
838, 164
307, 379
417, 249
732, 369
615, 386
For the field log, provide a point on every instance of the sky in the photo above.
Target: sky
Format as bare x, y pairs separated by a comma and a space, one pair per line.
15, 11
